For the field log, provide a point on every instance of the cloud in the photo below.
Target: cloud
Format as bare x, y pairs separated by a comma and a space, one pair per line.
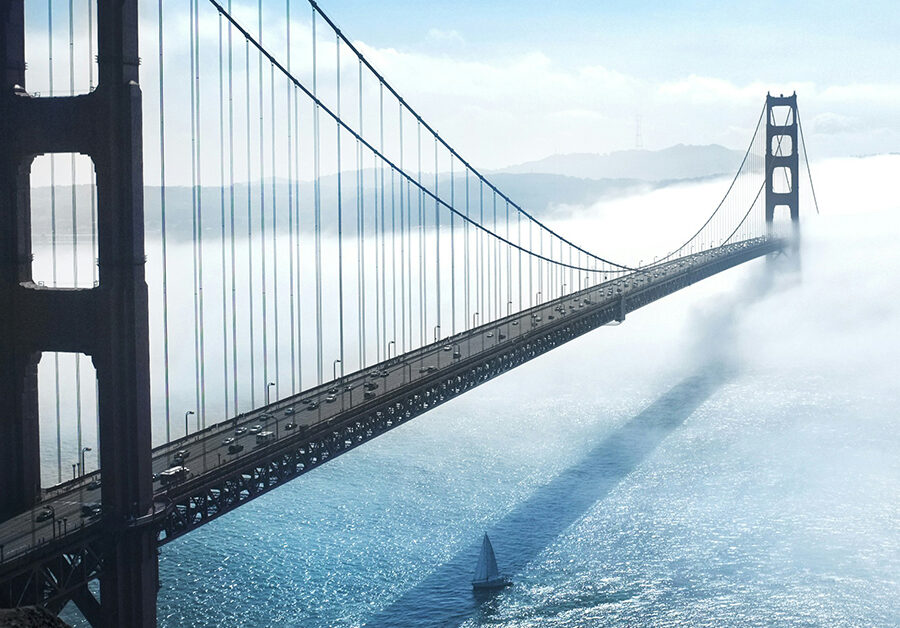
450, 38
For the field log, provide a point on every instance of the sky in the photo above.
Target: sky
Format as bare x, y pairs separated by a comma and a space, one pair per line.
507, 82
694, 71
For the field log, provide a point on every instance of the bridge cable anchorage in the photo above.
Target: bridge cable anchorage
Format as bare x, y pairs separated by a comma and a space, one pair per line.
806, 159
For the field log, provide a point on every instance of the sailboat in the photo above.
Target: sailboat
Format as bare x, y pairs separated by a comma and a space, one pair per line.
487, 576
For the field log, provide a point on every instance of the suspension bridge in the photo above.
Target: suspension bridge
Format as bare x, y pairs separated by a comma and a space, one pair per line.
253, 261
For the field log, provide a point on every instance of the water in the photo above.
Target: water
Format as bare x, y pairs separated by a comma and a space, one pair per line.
728, 456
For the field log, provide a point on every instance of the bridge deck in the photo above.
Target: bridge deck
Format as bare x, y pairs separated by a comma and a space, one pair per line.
333, 418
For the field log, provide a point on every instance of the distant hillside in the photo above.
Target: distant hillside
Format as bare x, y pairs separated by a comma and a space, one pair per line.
676, 162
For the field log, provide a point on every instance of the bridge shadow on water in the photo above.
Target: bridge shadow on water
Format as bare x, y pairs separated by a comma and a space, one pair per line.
445, 596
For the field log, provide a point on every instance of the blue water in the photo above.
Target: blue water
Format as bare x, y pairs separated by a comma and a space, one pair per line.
729, 456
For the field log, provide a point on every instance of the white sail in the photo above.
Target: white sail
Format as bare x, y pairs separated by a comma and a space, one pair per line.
486, 569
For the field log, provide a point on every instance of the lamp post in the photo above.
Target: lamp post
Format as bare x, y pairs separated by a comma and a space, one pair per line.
389, 344
334, 368
437, 332
268, 386
186, 415
474, 320
83, 451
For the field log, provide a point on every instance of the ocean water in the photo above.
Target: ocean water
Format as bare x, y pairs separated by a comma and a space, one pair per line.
728, 456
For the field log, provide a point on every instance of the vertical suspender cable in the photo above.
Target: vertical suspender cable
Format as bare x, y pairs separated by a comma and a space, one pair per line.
420, 198
202, 416
437, 237
222, 224
318, 209
250, 229
262, 207
194, 213
381, 209
466, 282
297, 239
402, 239
274, 235
360, 234
77, 356
290, 191
234, 348
340, 215
162, 215
53, 250
452, 251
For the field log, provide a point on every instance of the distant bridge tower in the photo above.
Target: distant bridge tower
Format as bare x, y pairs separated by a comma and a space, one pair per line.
782, 162
108, 322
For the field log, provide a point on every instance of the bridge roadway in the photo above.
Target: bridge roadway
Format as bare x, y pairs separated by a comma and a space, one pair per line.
336, 416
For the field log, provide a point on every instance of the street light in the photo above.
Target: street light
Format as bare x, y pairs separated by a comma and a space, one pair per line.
84, 468
268, 386
186, 415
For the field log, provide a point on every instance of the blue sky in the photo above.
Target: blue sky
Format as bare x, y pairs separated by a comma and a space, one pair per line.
507, 82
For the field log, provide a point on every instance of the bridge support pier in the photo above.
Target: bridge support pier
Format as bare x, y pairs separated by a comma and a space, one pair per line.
782, 165
108, 322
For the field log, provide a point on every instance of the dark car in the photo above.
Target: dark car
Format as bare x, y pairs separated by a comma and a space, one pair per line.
45, 515
290, 426
181, 455
369, 394
90, 510
235, 448
312, 405
288, 411
93, 485
371, 385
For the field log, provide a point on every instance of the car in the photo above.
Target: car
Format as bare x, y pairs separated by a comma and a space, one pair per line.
312, 405
348, 387
265, 437
181, 455
228, 440
93, 485
331, 398
448, 348
369, 394
45, 515
431, 368
266, 416
256, 429
333, 390
235, 448
306, 401
90, 510
456, 354
515, 323
490, 334
155, 477
240, 431
502, 336
290, 426
288, 411
370, 385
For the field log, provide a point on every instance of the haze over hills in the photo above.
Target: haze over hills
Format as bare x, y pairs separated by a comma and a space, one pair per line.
676, 162
543, 187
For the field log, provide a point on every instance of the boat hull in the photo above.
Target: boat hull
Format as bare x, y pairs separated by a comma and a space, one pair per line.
493, 583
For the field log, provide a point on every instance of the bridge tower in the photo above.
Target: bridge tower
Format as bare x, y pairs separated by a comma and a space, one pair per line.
782, 162
108, 322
